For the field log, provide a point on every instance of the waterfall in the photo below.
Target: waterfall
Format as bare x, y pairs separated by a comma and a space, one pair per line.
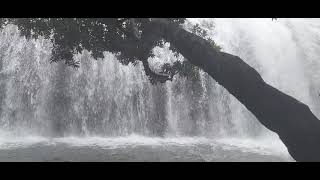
285, 53
108, 99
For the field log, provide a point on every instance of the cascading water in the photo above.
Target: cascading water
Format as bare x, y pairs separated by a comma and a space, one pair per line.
106, 99
103, 97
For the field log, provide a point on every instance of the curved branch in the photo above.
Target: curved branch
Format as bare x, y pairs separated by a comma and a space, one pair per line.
296, 125
153, 76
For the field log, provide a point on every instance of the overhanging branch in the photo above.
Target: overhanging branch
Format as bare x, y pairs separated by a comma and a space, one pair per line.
153, 76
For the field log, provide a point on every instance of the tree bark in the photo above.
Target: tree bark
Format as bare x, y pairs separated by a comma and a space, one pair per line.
296, 125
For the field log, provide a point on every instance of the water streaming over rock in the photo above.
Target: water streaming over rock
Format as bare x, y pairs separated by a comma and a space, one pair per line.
105, 98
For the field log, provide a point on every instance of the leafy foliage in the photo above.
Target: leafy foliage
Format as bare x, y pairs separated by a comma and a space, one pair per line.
121, 36
185, 68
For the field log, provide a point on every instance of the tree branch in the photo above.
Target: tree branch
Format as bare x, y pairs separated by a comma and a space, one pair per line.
153, 76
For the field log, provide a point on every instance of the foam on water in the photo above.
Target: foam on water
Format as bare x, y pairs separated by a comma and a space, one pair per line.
259, 146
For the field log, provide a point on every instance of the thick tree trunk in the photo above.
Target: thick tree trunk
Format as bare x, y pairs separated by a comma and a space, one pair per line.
292, 120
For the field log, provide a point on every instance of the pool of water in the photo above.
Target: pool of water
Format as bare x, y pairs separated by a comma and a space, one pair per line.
139, 148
